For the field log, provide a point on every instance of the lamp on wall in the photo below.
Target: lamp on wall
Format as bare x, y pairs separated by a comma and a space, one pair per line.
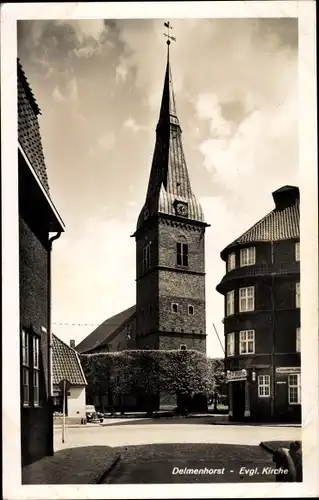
253, 376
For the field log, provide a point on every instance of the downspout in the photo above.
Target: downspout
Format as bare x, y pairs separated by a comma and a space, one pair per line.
273, 375
50, 344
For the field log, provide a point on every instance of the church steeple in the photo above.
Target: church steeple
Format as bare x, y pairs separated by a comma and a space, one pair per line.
170, 244
169, 190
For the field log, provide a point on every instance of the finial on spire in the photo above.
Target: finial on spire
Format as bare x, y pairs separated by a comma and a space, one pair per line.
169, 27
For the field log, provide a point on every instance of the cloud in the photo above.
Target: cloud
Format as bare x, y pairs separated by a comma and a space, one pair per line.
122, 70
70, 93
105, 142
237, 98
130, 124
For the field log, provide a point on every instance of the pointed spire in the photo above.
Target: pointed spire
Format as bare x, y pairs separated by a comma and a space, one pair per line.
168, 112
169, 183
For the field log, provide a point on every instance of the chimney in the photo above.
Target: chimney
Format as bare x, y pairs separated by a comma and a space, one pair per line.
72, 344
286, 196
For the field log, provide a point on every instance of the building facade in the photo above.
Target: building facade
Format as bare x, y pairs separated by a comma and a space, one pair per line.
67, 366
38, 218
261, 287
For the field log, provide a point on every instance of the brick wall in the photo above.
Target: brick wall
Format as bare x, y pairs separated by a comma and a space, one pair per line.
167, 283
33, 313
280, 324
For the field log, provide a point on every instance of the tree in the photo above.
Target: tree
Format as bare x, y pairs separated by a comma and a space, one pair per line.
145, 373
218, 376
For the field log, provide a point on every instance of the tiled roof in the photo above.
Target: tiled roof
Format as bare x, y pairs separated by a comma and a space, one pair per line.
282, 223
28, 128
104, 331
169, 179
66, 363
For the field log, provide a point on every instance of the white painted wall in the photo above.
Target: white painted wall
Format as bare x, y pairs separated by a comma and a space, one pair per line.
76, 402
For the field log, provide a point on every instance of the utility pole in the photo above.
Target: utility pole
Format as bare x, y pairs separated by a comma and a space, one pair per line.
221, 344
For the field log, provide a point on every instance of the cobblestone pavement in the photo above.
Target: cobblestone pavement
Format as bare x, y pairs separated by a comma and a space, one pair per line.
215, 463
80, 465
165, 432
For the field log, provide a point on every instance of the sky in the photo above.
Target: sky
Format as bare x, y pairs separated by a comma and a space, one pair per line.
98, 84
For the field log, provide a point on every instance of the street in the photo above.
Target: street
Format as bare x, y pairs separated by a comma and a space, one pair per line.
171, 450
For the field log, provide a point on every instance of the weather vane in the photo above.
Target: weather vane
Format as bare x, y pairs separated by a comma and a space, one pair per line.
169, 27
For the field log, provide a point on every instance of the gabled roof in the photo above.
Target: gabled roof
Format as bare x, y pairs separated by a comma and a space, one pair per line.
66, 363
282, 223
169, 180
105, 331
28, 128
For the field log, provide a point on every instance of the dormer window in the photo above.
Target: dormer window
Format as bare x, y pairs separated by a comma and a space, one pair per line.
247, 256
231, 262
297, 251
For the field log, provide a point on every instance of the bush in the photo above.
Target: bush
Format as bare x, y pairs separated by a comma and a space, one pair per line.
181, 372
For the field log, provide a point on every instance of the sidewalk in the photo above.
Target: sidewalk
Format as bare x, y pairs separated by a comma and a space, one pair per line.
84, 465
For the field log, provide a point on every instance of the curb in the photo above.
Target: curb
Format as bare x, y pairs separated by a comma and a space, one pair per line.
99, 478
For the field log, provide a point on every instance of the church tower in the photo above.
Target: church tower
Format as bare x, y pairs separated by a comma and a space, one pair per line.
170, 239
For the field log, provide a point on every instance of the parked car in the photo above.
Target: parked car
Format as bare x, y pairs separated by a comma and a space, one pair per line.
92, 415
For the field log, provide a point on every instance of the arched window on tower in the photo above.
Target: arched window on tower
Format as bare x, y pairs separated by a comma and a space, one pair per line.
182, 251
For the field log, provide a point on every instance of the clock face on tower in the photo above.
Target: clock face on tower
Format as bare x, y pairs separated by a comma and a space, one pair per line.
181, 209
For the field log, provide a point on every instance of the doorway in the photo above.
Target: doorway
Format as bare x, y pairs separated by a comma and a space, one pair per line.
238, 400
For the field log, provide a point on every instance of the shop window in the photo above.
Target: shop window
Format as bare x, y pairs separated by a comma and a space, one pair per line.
294, 389
263, 386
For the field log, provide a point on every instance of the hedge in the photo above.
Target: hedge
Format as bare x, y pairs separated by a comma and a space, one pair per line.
186, 372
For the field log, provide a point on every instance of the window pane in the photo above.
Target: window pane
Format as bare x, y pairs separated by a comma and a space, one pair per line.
179, 259
25, 348
36, 387
243, 335
179, 248
185, 260
25, 386
185, 248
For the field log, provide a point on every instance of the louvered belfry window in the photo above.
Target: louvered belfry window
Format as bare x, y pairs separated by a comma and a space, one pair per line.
182, 254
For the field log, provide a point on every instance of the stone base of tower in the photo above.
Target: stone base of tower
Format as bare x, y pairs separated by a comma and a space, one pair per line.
179, 341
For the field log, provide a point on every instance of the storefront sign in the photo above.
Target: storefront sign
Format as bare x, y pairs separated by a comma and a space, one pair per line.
237, 375
288, 369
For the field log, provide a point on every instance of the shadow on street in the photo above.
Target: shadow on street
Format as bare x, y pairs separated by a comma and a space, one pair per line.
168, 463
